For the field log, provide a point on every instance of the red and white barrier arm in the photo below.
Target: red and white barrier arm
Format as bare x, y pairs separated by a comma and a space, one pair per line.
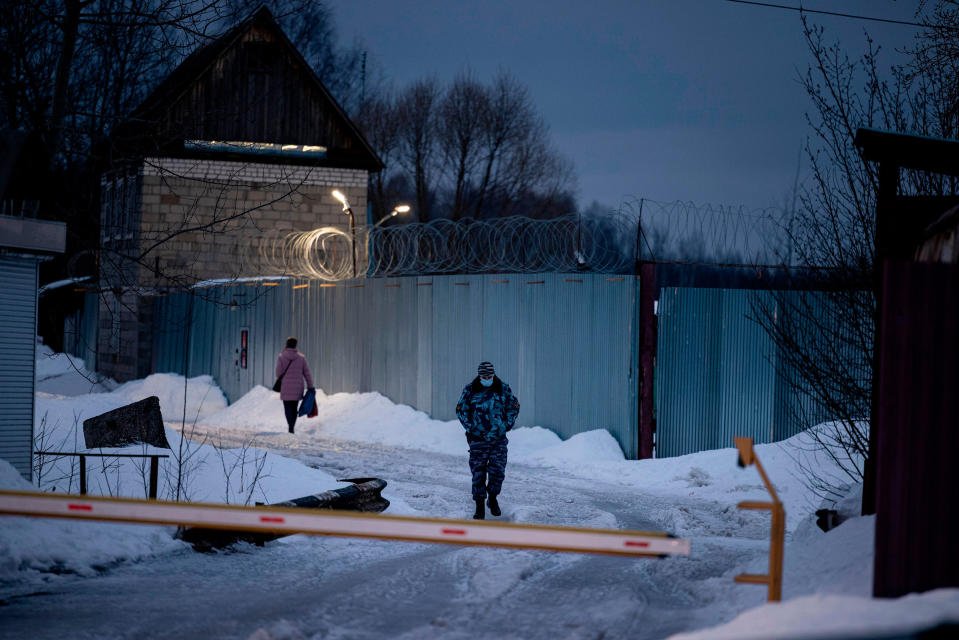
288, 520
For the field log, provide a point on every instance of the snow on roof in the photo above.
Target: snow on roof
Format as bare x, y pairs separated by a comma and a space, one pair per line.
62, 283
214, 282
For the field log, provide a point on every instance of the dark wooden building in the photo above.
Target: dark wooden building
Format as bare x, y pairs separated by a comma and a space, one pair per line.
914, 436
249, 85
240, 144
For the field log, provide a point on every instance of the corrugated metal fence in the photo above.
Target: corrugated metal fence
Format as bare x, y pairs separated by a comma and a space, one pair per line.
719, 374
80, 332
567, 344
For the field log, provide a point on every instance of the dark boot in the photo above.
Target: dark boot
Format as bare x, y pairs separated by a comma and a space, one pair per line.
480, 510
494, 506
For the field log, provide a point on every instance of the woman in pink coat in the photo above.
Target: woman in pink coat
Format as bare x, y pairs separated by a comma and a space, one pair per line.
292, 366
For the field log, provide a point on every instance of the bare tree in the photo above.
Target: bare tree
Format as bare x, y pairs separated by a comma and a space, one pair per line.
826, 336
509, 111
379, 119
469, 150
462, 116
417, 111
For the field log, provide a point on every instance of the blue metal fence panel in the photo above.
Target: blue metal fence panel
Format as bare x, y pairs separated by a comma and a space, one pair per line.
684, 396
424, 344
747, 371
566, 344
86, 343
457, 342
718, 373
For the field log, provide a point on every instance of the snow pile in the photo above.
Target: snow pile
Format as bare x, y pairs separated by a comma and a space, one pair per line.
51, 364
526, 442
835, 562
836, 616
593, 447
203, 396
64, 374
375, 419
58, 419
361, 417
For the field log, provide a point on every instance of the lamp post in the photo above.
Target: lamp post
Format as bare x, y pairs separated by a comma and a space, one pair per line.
398, 209
346, 209
377, 245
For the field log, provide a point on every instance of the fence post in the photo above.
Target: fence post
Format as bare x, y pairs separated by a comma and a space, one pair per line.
154, 469
83, 475
648, 294
776, 553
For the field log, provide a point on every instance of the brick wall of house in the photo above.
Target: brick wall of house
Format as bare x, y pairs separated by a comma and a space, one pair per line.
240, 205
118, 336
237, 204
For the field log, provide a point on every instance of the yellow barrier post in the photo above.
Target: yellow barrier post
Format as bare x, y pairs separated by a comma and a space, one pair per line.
778, 530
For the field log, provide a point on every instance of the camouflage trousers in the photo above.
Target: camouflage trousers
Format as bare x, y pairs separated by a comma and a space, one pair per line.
488, 464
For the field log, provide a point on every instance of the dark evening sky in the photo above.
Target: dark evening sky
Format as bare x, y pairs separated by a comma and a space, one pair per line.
695, 100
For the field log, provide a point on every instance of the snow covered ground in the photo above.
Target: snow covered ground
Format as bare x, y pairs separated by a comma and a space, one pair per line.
78, 579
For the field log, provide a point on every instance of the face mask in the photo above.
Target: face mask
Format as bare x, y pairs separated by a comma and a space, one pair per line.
486, 383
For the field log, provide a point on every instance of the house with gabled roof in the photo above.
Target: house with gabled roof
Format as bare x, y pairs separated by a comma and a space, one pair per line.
240, 144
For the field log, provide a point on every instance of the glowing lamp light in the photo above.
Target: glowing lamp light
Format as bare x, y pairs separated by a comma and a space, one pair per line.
348, 211
341, 199
398, 209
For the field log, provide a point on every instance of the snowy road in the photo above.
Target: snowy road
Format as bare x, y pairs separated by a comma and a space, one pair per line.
305, 587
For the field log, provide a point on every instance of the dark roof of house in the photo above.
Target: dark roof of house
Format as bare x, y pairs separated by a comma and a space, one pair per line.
925, 153
179, 83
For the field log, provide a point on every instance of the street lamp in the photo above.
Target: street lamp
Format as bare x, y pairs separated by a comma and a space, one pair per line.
402, 208
346, 209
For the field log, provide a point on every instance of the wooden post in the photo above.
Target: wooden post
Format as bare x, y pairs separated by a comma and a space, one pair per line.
886, 236
154, 472
777, 533
83, 475
647, 356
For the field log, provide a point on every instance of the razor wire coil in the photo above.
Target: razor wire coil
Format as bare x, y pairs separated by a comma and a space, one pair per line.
641, 230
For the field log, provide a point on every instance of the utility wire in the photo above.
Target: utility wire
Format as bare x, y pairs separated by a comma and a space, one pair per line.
771, 5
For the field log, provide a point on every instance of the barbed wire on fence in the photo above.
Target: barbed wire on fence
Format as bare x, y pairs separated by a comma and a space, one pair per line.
513, 244
710, 234
612, 243
324, 253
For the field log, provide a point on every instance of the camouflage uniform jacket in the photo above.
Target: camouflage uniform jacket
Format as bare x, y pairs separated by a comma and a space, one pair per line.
487, 413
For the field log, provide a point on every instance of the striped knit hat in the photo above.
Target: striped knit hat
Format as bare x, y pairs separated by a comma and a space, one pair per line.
485, 369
